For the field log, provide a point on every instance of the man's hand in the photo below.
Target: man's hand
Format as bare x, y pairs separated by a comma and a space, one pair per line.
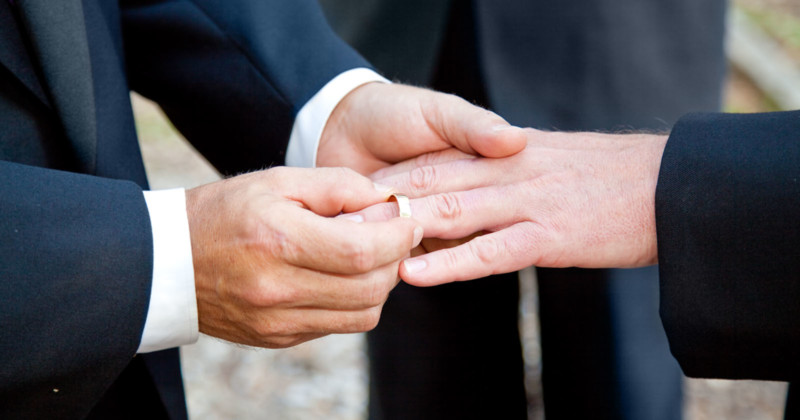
569, 199
379, 124
273, 268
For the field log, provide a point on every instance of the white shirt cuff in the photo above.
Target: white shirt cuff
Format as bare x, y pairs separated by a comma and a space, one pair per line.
172, 315
311, 120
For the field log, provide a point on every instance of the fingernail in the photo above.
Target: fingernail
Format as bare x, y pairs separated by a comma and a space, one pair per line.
352, 217
418, 235
415, 265
506, 127
383, 188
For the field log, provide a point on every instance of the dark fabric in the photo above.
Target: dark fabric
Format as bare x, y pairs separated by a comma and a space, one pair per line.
57, 34
459, 355
117, 403
481, 375
13, 52
401, 38
75, 261
727, 203
572, 65
604, 352
76, 253
604, 64
245, 122
792, 404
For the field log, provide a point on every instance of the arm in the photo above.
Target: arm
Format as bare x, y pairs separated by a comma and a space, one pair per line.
727, 208
722, 225
76, 264
236, 74
220, 109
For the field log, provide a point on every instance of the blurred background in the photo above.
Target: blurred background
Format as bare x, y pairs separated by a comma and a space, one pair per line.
326, 378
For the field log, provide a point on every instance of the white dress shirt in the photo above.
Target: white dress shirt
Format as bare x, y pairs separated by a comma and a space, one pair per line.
172, 315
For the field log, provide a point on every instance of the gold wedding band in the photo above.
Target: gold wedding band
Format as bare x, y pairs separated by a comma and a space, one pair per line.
403, 205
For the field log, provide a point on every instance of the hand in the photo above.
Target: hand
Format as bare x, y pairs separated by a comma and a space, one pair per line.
274, 269
568, 199
379, 124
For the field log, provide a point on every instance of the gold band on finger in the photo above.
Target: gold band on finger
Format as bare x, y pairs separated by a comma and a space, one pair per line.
403, 205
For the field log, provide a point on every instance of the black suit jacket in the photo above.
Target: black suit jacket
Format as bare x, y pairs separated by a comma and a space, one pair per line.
727, 208
76, 248
570, 64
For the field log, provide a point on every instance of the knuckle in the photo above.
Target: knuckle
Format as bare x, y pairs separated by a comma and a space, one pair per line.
485, 249
278, 173
276, 242
344, 174
266, 329
422, 179
447, 206
368, 319
260, 298
269, 293
427, 159
378, 292
373, 318
361, 260
282, 342
451, 259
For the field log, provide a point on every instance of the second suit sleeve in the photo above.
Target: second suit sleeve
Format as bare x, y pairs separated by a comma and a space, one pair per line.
233, 75
727, 217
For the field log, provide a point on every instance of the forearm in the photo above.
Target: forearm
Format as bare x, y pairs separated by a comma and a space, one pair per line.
76, 263
727, 203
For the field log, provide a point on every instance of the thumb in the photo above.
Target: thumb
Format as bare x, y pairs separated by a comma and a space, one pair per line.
472, 129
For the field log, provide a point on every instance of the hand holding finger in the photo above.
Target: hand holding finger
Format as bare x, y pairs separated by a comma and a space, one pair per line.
457, 214
367, 125
262, 255
427, 159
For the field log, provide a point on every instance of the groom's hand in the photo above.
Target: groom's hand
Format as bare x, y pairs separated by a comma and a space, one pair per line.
274, 268
379, 124
568, 199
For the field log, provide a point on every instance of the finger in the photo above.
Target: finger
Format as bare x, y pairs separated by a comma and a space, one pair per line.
328, 191
316, 290
436, 244
472, 129
282, 342
336, 245
456, 215
510, 249
297, 322
427, 159
459, 175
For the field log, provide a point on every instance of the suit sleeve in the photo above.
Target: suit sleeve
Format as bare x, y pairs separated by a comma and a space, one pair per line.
728, 222
75, 271
232, 75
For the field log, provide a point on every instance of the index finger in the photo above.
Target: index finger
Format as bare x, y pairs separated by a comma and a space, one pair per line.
337, 245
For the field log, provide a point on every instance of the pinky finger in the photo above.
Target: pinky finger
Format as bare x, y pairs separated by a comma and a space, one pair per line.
507, 250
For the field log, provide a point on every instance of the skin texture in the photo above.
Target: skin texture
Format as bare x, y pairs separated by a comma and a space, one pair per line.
273, 265
567, 200
378, 125
273, 269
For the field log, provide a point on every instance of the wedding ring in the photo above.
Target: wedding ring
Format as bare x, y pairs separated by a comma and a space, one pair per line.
403, 204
